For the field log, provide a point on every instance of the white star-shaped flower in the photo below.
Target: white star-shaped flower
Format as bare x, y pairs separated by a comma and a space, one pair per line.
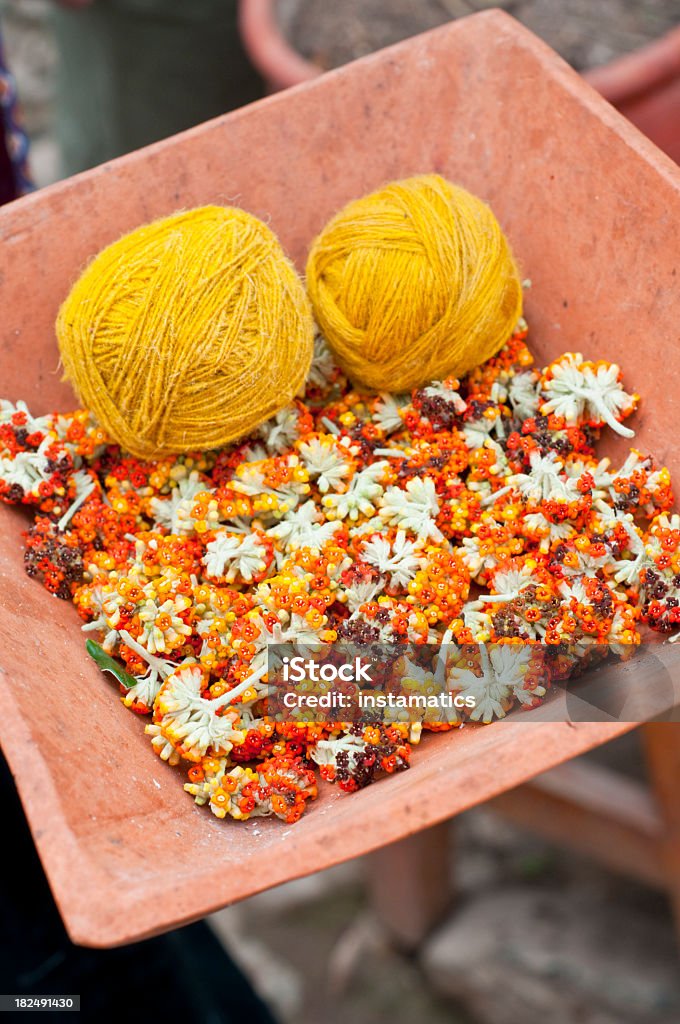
357, 594
162, 628
361, 497
303, 528
387, 413
413, 508
325, 752
325, 462
477, 431
229, 556
174, 512
583, 392
281, 430
398, 558
323, 364
33, 423
190, 722
540, 528
508, 584
546, 480
146, 688
438, 389
501, 680
250, 480
523, 394
26, 469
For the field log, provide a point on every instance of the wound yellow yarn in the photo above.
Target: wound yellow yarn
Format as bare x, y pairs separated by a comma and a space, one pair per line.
187, 333
413, 283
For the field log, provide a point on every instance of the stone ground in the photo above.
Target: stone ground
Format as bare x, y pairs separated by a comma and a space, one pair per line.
585, 32
536, 934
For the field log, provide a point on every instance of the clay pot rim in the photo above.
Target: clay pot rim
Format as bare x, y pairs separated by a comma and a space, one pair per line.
622, 80
639, 73
271, 53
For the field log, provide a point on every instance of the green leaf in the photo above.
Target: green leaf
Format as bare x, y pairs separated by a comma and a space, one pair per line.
108, 664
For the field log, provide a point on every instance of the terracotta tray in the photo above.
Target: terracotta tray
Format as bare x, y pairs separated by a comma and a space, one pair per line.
593, 211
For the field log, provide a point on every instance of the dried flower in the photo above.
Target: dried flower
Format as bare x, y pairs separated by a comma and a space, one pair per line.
583, 392
494, 676
413, 508
398, 558
360, 519
192, 724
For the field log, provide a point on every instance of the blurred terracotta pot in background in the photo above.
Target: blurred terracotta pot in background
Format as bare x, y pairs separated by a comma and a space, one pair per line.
278, 62
644, 85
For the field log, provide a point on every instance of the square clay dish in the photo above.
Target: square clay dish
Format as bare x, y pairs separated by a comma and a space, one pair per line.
592, 209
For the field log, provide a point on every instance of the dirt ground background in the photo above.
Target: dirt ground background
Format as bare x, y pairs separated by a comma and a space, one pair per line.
585, 32
535, 934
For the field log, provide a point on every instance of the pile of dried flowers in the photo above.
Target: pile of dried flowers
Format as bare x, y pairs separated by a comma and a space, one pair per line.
349, 518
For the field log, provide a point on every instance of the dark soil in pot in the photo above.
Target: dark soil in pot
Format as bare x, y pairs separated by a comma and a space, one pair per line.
586, 32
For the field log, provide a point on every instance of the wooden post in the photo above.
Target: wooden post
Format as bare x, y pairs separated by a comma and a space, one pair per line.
595, 810
409, 884
662, 746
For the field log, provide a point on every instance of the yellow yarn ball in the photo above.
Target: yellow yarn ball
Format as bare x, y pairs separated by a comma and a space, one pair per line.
413, 283
187, 333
